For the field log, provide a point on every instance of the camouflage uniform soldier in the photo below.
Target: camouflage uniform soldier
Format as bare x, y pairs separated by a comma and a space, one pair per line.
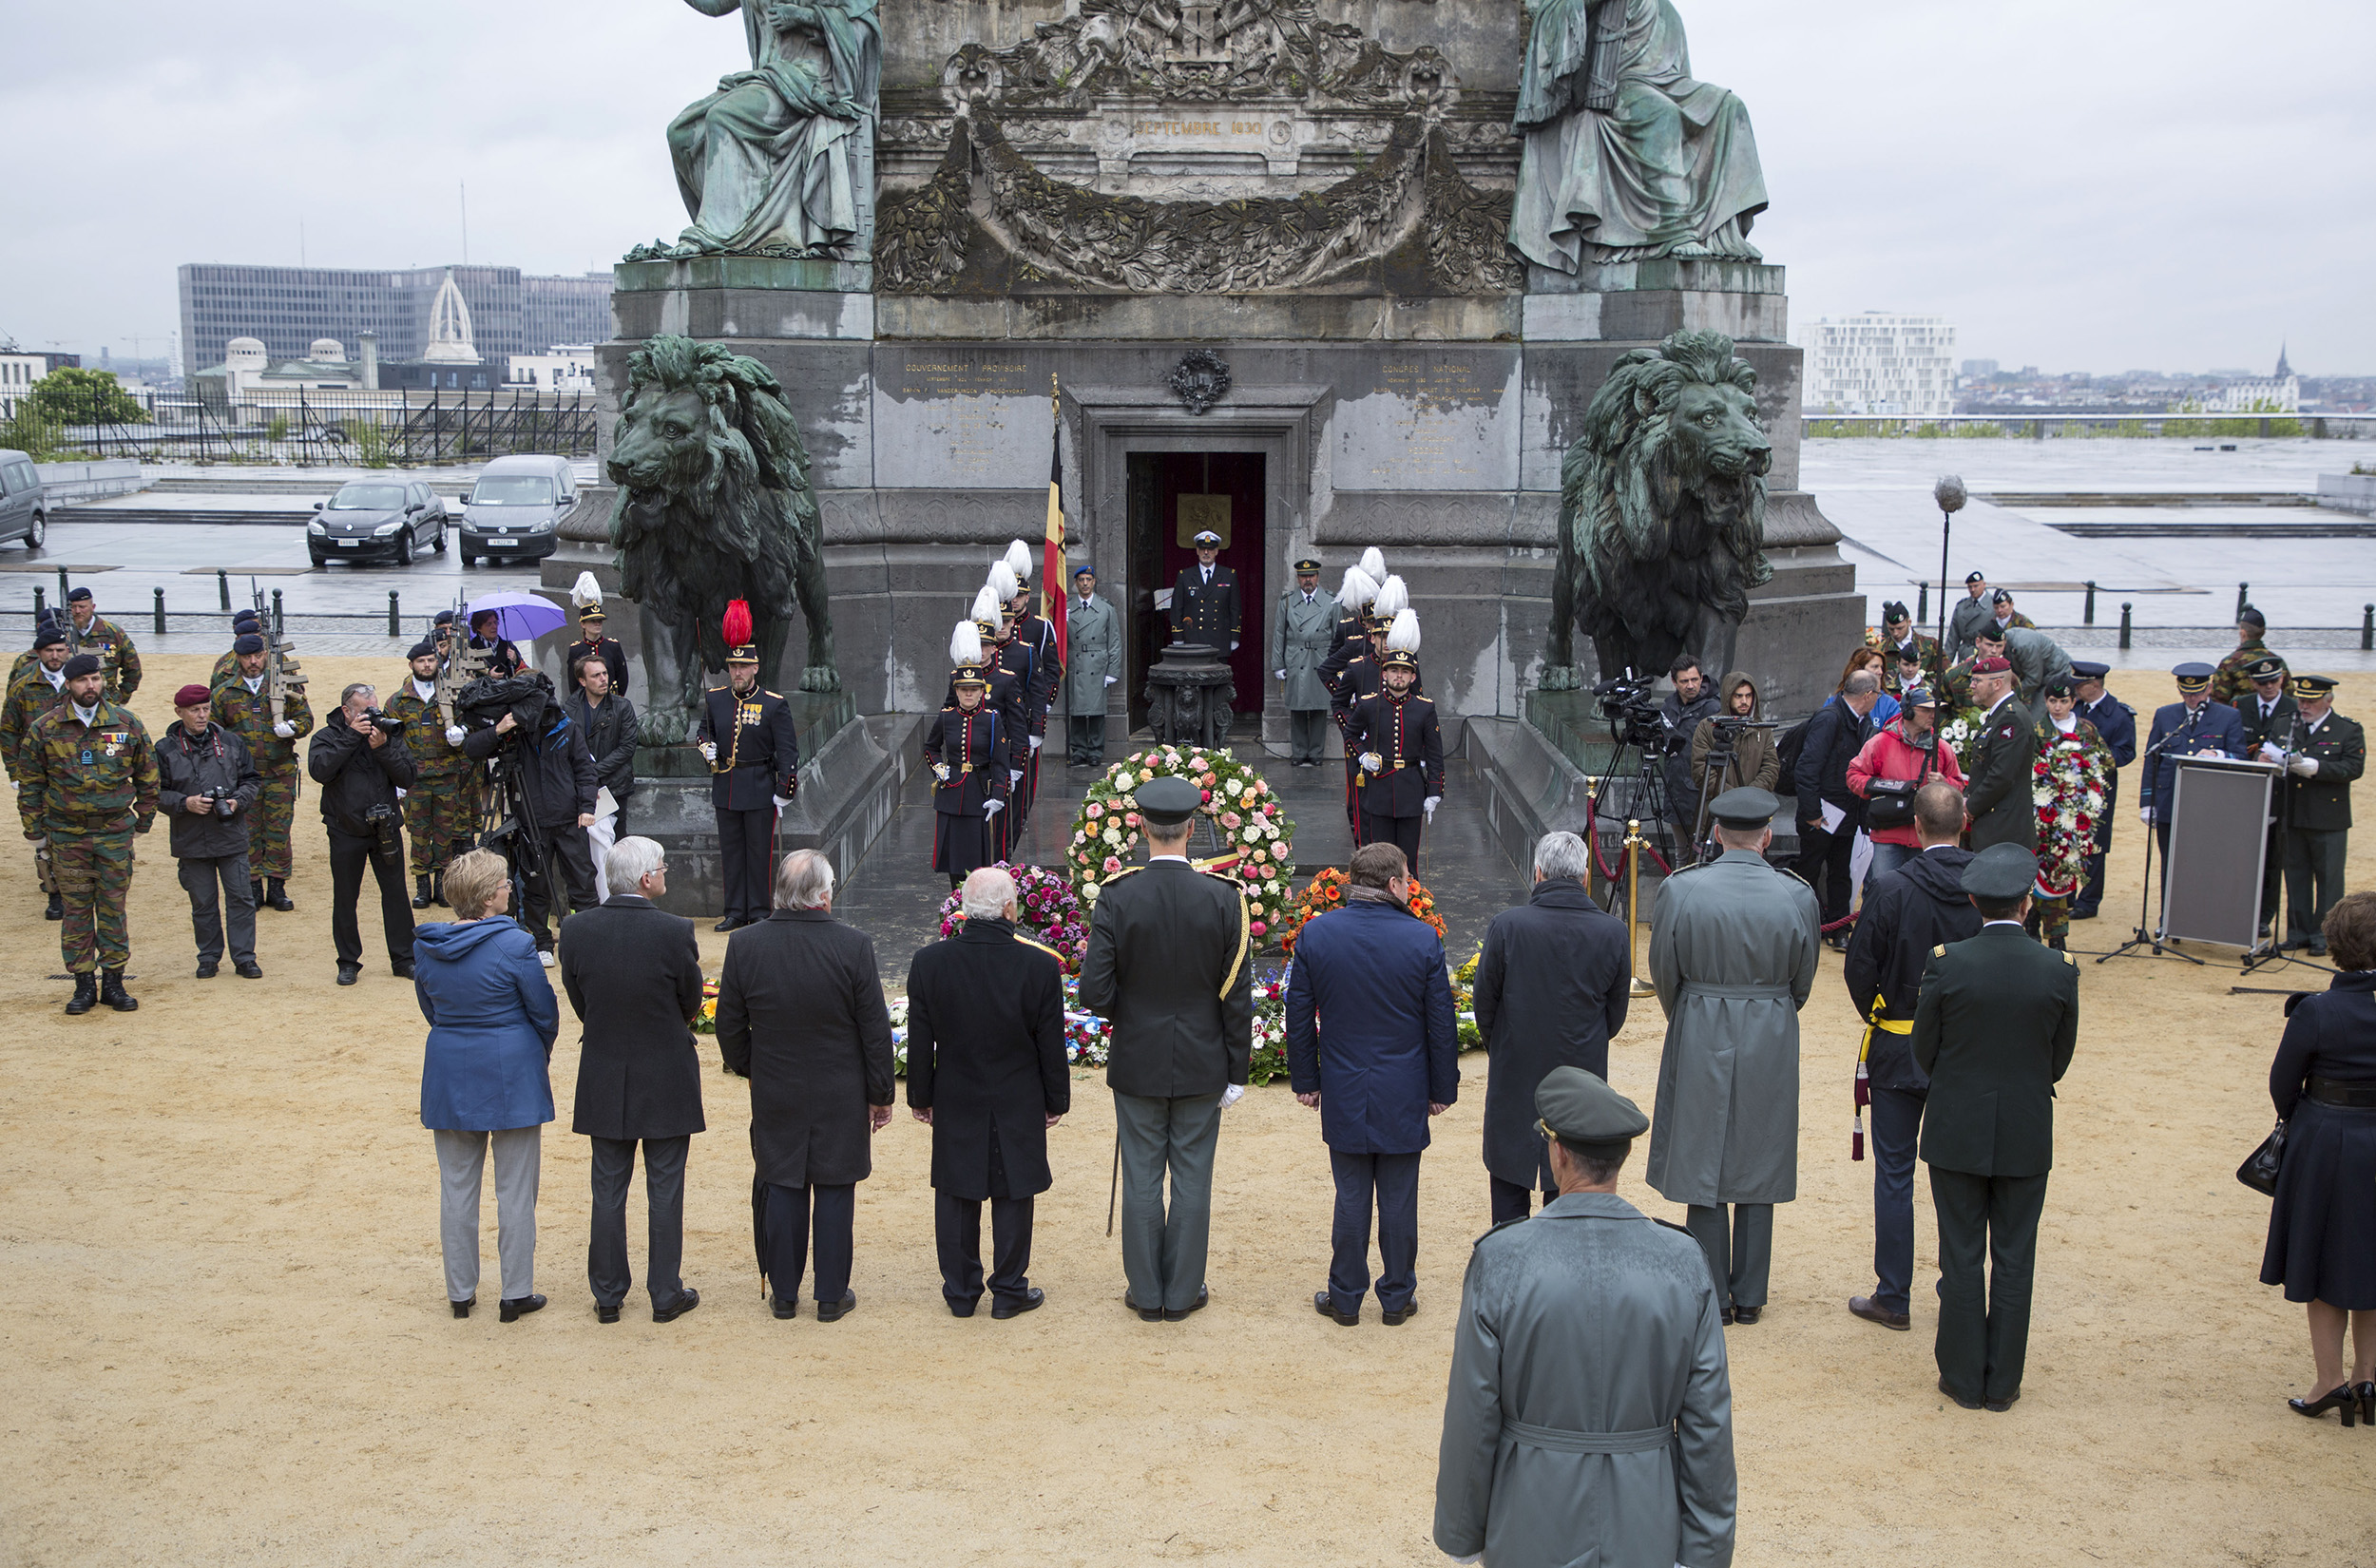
228, 665
88, 784
239, 707
2228, 683
49, 620
39, 686
93, 632
441, 808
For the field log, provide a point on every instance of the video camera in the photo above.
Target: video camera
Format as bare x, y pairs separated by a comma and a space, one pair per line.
1627, 701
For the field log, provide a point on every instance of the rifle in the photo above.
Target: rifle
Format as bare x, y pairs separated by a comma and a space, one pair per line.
458, 664
284, 677
45, 874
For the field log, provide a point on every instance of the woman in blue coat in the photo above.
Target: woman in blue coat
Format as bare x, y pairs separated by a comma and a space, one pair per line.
484, 1076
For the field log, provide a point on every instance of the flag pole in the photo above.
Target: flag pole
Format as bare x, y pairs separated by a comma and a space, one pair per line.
1052, 585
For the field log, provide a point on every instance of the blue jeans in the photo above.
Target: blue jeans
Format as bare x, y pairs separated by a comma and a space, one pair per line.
1897, 1121
1887, 858
1391, 1183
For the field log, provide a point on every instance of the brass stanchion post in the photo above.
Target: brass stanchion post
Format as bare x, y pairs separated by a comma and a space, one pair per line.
1634, 842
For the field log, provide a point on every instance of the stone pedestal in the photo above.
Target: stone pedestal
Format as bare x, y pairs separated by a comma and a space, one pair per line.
1189, 692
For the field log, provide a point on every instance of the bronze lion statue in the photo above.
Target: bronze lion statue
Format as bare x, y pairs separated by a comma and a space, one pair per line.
1662, 513
714, 505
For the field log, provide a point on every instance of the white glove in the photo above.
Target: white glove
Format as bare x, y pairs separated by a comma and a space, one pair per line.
1282, 674
1232, 1095
2145, 815
709, 751
1035, 742
1372, 762
781, 801
1233, 644
1430, 805
991, 808
1014, 776
454, 734
940, 770
286, 730
2304, 767
400, 795
1477, 1557
1109, 681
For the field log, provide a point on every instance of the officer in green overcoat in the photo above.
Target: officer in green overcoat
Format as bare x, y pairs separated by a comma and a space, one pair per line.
1303, 633
1093, 661
1994, 1027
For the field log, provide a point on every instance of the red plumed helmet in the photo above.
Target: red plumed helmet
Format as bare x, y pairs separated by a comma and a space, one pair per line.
737, 626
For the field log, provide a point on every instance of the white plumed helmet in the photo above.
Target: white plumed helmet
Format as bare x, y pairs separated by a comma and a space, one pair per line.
1018, 561
1373, 565
1393, 597
1358, 589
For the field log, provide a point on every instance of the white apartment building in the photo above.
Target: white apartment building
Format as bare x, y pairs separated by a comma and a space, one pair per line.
569, 368
2281, 393
18, 372
1879, 363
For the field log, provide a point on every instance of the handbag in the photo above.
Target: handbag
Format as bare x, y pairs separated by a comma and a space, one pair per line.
2259, 1170
1889, 803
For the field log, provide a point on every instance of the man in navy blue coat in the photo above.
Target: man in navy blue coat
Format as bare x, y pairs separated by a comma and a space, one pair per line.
1371, 1046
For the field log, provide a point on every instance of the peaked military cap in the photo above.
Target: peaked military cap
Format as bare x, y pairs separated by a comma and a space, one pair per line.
2193, 675
1308, 564
2267, 667
1577, 1108
82, 664
2310, 688
2001, 872
249, 643
1168, 801
1207, 541
1747, 806
2087, 669
592, 612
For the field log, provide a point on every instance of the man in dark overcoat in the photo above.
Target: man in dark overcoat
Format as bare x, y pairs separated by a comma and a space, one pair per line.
2329, 753
1167, 967
1997, 796
633, 972
987, 1072
1551, 992
1908, 912
1371, 1046
1995, 1029
800, 1014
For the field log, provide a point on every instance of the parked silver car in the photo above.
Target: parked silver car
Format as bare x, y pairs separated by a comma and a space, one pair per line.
23, 504
512, 511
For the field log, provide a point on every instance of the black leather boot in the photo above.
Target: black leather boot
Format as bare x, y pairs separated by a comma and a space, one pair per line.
255, 891
420, 892
86, 993
111, 992
438, 890
57, 908
278, 892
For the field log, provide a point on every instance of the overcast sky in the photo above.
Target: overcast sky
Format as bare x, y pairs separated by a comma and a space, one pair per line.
2079, 184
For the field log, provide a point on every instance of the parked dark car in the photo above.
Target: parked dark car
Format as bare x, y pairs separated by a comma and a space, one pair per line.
369, 517
514, 511
24, 505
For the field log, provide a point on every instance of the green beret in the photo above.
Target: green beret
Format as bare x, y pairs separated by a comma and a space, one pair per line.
1168, 801
1582, 1110
2000, 874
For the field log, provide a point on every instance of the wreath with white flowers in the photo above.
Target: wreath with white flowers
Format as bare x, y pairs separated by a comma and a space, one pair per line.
1256, 835
2070, 780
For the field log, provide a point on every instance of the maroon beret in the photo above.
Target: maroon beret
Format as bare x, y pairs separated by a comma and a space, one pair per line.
191, 696
1993, 664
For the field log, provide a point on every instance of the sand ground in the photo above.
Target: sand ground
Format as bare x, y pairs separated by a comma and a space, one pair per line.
227, 1339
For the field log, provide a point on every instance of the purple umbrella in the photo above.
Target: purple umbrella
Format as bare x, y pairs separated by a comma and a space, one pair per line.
521, 617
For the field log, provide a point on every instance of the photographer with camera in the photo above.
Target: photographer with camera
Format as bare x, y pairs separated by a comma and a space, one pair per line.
206, 782
545, 777
359, 758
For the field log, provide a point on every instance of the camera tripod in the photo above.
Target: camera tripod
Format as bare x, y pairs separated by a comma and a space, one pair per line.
1640, 794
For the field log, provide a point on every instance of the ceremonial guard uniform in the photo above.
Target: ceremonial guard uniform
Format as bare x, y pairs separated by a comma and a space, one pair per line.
1303, 634
1395, 740
1037, 634
1094, 647
86, 786
1007, 696
1022, 663
1590, 1413
1351, 673
1351, 625
2201, 728
2231, 682
2329, 752
592, 642
1998, 797
1733, 946
441, 810
966, 750
987, 1066
1205, 607
2117, 722
754, 754
242, 707
1994, 1028
93, 632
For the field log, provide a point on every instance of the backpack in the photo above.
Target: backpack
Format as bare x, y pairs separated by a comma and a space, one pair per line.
1786, 746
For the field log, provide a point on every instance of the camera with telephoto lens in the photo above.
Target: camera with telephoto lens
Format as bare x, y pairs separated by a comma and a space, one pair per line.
1627, 701
387, 829
378, 719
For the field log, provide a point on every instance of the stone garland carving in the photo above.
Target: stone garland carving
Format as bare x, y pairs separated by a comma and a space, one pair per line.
1131, 245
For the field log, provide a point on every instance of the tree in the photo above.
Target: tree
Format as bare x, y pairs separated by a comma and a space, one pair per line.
79, 396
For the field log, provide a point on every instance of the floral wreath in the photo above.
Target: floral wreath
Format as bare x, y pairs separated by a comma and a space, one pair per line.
1253, 827
2068, 785
1050, 914
1326, 891
1965, 730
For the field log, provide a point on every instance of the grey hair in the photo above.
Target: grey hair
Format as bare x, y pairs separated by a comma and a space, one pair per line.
989, 890
1562, 856
348, 695
804, 881
1863, 684
630, 862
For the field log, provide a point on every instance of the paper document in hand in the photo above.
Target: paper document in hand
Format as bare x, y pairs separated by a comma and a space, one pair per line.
1833, 817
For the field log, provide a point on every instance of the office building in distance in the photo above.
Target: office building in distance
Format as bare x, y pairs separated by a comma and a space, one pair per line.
1879, 363
287, 308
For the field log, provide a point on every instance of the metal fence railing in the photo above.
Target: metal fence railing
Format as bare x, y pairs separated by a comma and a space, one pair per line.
351, 428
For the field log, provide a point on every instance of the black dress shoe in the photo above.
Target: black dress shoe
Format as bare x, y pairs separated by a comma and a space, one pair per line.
729, 924
1746, 1314
1006, 1306
962, 1309
462, 1308
349, 973
513, 1308
1967, 1404
1724, 1316
1394, 1317
208, 970
2317, 947
86, 994
1327, 1309
686, 1300
1204, 1294
2083, 914
604, 1313
247, 968
2341, 1397
833, 1312
1146, 1314
1872, 1311
400, 967
784, 1306
2001, 1406
111, 992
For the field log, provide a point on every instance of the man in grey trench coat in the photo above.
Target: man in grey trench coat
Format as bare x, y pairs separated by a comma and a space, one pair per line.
1093, 661
1590, 1413
1302, 632
1733, 950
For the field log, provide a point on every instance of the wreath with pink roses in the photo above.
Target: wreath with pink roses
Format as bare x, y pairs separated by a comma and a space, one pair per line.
1256, 835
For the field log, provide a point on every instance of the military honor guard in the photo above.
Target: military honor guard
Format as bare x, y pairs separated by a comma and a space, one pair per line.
1167, 967
1205, 606
1093, 635
95, 634
87, 782
2328, 753
2194, 725
1008, 697
243, 706
746, 734
1994, 1028
2269, 718
1972, 612
1904, 645
2117, 722
1395, 740
1037, 632
967, 747
1590, 1414
1354, 593
1016, 652
1303, 634
592, 637
441, 809
1998, 793
1733, 946
1354, 672
2065, 741
2232, 681
989, 1073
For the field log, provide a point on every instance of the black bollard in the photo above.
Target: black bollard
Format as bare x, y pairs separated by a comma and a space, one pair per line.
2087, 617
396, 628
280, 624
2368, 625
222, 586
62, 587
41, 606
161, 611
2124, 625
2243, 597
1922, 605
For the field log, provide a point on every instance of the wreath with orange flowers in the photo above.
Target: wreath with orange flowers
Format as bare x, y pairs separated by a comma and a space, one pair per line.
1326, 891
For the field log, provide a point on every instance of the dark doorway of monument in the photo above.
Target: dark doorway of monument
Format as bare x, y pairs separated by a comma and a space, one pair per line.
1173, 497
